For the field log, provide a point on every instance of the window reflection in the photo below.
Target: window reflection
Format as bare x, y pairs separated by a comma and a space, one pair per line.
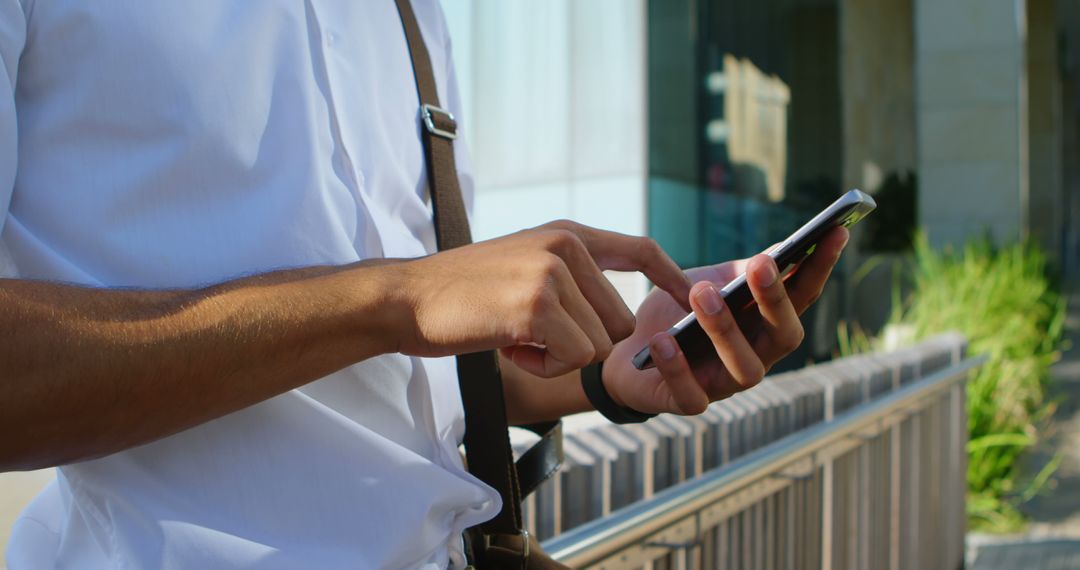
745, 130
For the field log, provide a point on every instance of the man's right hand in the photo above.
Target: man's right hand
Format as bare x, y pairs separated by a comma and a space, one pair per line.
76, 362
539, 295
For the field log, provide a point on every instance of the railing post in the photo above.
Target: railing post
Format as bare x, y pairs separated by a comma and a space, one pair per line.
914, 467
827, 471
894, 495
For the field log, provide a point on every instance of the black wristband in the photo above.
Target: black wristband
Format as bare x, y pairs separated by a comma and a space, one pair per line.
592, 382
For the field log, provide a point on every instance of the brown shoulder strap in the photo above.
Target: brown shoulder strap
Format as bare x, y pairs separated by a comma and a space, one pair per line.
438, 134
487, 442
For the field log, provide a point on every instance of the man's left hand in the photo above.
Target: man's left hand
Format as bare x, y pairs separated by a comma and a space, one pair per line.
742, 358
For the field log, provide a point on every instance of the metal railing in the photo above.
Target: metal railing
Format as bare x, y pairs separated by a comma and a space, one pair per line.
879, 483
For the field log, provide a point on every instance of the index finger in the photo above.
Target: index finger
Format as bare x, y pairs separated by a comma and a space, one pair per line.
806, 284
621, 252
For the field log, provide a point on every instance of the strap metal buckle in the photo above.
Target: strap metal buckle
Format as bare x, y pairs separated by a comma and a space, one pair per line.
524, 545
524, 534
428, 112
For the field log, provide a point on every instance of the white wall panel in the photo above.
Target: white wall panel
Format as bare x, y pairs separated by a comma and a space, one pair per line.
972, 133
608, 114
554, 95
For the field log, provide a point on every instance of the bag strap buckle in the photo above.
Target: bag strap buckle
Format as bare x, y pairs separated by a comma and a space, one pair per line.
524, 544
429, 113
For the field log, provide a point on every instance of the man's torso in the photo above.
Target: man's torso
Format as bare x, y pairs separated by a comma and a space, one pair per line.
178, 144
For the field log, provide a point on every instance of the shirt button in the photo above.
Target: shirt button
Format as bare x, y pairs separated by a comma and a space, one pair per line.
331, 38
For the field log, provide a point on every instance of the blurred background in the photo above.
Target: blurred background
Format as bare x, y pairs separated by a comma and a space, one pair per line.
719, 126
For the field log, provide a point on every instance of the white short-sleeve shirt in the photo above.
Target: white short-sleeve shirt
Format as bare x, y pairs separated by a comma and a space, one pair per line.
164, 144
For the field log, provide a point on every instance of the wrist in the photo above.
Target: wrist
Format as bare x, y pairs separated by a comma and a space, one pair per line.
605, 381
378, 310
602, 400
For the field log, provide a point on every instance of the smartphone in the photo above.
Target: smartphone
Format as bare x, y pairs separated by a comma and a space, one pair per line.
845, 211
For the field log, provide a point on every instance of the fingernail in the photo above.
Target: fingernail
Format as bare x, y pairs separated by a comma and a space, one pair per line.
709, 299
765, 274
665, 347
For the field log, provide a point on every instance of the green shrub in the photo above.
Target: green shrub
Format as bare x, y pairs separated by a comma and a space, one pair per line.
1004, 301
